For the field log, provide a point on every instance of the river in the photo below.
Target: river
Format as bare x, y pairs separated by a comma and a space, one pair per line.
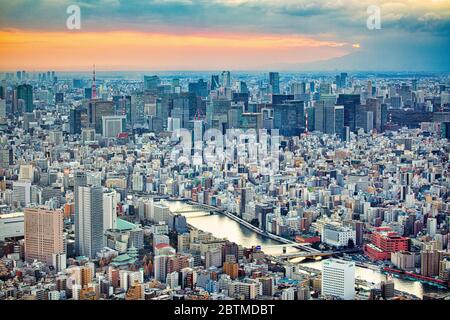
223, 227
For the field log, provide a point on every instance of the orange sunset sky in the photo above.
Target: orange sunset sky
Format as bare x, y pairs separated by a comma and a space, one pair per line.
222, 34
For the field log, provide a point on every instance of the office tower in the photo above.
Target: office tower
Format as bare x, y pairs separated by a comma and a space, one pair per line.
122, 106
88, 93
325, 117
22, 193
199, 88
406, 94
113, 125
296, 88
110, 200
445, 130
431, 227
98, 109
343, 80
339, 122
251, 121
163, 106
75, 121
226, 79
289, 117
310, 120
44, 235
25, 93
364, 119
384, 116
90, 220
181, 111
281, 98
324, 88
396, 102
338, 279
151, 83
274, 81
241, 97
199, 128
369, 89
338, 82
374, 105
242, 87
215, 82
136, 112
351, 103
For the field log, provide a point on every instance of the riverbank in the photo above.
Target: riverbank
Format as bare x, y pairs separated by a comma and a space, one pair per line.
223, 227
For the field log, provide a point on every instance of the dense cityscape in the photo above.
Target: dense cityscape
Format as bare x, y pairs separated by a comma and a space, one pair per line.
224, 186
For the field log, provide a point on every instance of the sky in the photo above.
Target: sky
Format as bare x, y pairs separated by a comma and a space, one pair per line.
225, 34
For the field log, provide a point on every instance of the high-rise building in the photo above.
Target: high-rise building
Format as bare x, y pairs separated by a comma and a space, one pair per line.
274, 81
160, 267
431, 226
110, 200
199, 88
430, 262
75, 121
89, 224
338, 279
151, 83
44, 235
98, 109
351, 103
22, 193
289, 117
181, 111
215, 82
25, 92
226, 79
328, 118
113, 125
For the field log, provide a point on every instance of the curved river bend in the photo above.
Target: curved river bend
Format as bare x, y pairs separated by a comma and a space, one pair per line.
223, 227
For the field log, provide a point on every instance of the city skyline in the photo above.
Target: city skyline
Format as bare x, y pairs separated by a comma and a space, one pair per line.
225, 150
235, 35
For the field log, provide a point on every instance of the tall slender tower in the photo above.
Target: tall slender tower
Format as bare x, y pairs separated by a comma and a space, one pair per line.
94, 87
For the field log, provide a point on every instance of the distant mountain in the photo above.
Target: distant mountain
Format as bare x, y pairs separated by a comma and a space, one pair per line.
371, 61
